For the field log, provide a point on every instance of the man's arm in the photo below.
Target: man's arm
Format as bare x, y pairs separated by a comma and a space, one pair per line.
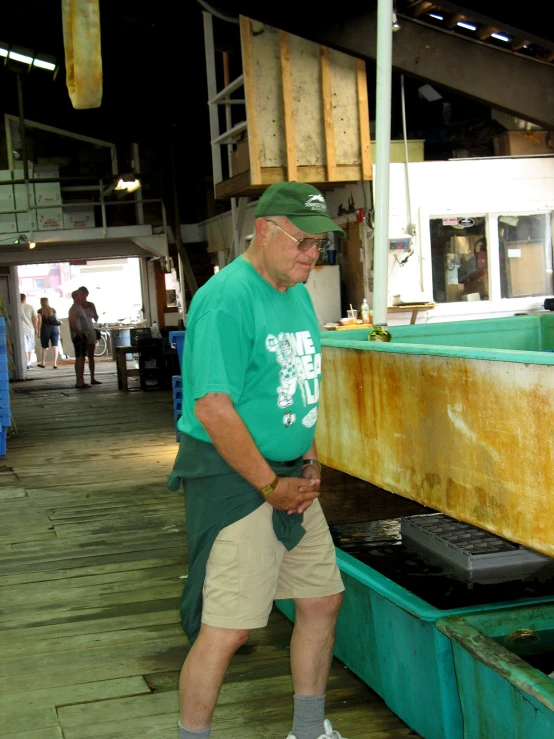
73, 322
233, 441
35, 322
94, 312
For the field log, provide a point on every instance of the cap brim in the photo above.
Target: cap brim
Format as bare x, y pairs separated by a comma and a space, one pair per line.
315, 224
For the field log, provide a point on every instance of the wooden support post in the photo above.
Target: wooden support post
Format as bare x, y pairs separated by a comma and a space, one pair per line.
421, 8
363, 113
250, 96
327, 94
485, 32
286, 81
454, 19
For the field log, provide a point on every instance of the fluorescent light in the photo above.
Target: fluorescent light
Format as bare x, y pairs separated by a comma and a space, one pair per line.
467, 26
500, 36
3, 52
44, 65
20, 57
436, 16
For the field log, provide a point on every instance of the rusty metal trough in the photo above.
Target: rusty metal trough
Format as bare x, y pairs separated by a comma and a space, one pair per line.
456, 416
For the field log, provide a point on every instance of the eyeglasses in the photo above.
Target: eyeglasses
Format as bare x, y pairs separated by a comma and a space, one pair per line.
306, 243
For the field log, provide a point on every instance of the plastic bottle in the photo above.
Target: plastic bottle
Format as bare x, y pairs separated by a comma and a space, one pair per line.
365, 311
155, 331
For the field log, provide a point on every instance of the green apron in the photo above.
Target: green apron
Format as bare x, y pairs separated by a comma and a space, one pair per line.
215, 497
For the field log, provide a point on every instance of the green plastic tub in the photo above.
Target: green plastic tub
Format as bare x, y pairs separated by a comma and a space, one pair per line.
388, 637
501, 694
520, 334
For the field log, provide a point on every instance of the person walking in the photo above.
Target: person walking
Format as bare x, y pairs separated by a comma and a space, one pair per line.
29, 324
255, 529
78, 327
92, 317
49, 332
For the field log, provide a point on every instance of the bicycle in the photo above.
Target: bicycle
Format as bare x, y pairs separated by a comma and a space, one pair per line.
102, 343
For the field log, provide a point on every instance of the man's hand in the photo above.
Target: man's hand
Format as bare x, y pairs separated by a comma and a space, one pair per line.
294, 494
310, 472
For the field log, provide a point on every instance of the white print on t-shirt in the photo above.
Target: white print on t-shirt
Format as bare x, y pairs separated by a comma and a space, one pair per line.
310, 418
300, 367
289, 418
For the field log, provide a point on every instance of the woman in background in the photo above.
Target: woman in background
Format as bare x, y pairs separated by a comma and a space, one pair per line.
48, 330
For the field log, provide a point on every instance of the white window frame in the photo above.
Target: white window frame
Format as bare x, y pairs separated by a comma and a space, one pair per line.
493, 218
496, 303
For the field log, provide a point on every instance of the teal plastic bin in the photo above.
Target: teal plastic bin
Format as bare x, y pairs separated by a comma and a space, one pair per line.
388, 637
178, 338
501, 694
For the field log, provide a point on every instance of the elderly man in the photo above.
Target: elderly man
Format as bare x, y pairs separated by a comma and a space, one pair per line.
256, 531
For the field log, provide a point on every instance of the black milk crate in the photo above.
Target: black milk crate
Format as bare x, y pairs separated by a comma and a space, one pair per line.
152, 360
139, 335
154, 380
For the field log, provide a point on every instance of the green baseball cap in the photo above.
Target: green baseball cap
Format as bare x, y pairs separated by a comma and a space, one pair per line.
302, 204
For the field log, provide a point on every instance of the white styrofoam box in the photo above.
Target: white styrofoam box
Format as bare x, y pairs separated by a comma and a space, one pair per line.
6, 197
78, 218
8, 223
19, 169
22, 193
48, 193
47, 171
24, 222
50, 219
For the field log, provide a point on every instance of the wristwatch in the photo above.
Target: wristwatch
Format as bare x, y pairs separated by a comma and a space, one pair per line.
268, 489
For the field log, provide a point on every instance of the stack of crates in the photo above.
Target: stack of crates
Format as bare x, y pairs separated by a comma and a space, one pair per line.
177, 401
156, 359
5, 409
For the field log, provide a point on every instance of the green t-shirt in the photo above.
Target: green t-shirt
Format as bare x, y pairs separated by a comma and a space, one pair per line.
261, 347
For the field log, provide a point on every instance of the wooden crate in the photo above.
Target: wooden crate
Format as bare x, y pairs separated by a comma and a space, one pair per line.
523, 143
307, 113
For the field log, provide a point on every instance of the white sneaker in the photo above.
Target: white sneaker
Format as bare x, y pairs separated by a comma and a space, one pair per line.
329, 732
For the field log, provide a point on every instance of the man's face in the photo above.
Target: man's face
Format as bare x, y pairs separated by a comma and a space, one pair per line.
284, 261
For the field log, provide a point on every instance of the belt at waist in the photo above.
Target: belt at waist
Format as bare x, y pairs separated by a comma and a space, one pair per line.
290, 463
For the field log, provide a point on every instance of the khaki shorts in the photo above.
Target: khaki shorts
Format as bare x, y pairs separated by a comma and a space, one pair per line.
249, 568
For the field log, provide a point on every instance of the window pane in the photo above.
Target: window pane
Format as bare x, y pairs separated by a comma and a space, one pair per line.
525, 244
459, 259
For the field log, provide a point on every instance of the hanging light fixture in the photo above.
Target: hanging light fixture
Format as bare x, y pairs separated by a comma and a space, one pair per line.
128, 182
17, 240
24, 241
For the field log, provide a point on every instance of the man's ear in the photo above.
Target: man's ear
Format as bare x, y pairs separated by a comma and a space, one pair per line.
262, 229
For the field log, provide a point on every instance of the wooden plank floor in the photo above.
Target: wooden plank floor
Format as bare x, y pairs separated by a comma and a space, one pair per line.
92, 561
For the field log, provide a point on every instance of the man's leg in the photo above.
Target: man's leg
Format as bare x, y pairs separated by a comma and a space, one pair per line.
311, 651
203, 672
80, 370
90, 352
